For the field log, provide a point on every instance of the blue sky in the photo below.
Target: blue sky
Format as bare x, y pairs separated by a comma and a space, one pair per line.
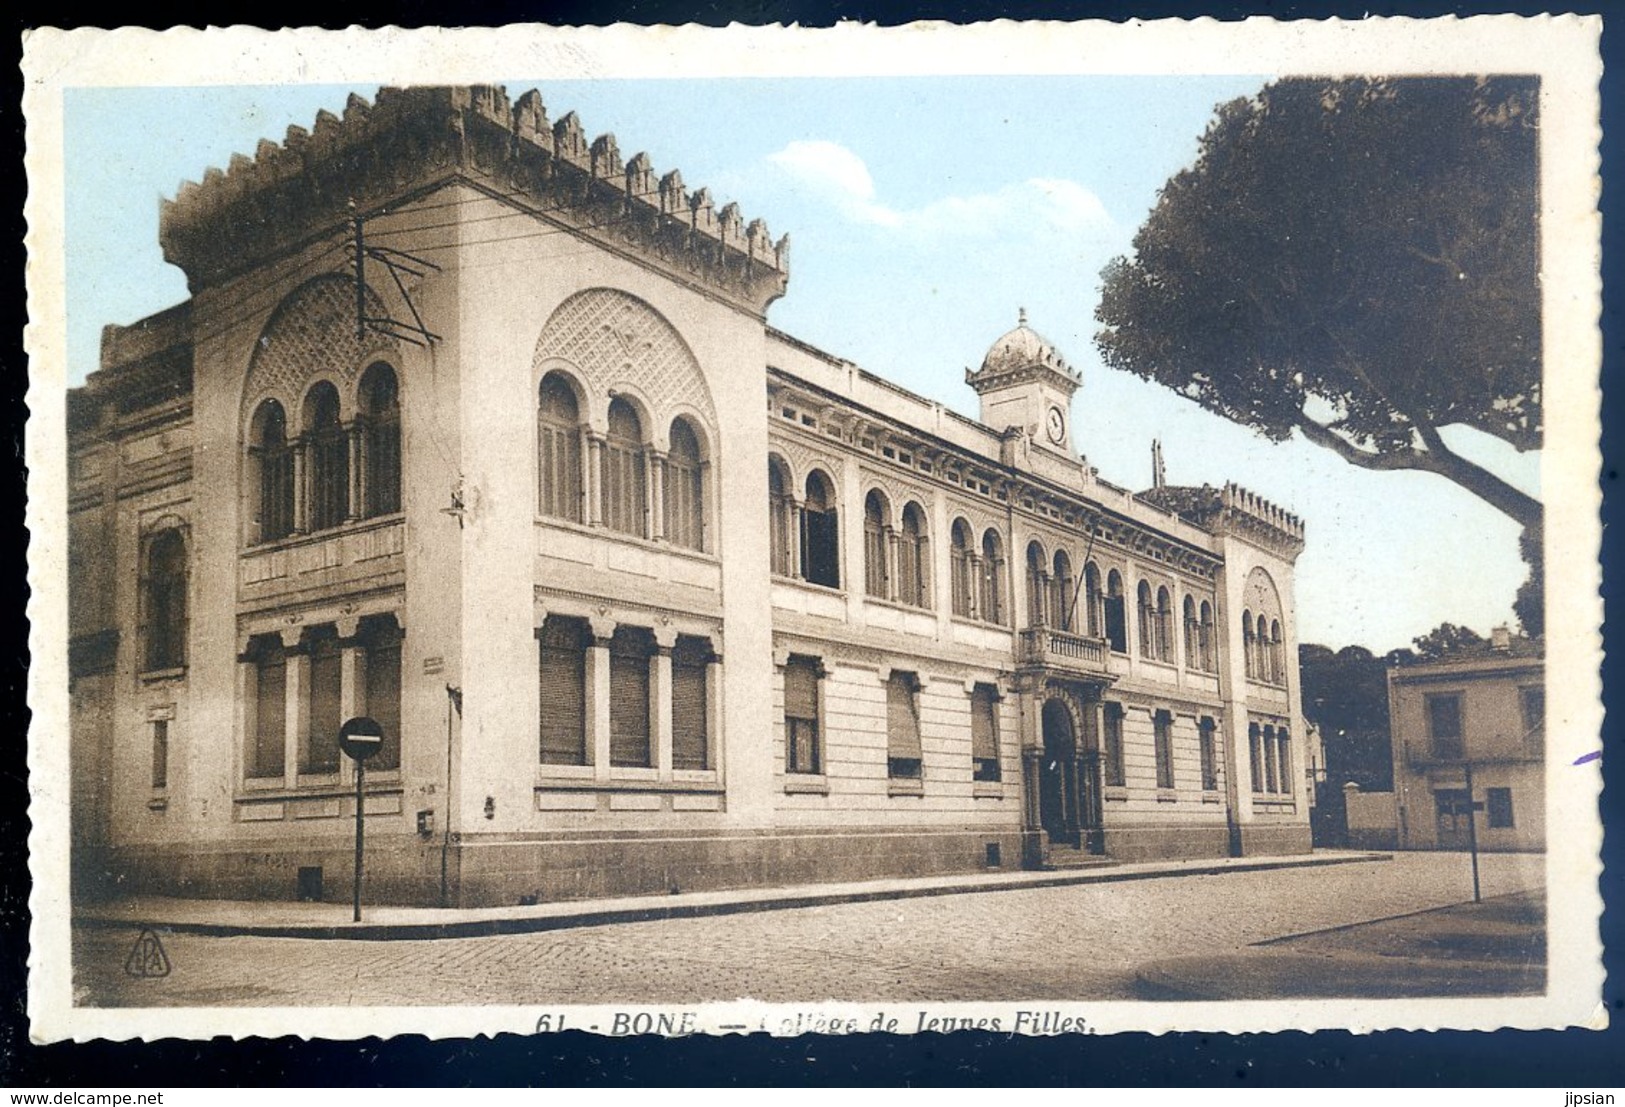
923, 212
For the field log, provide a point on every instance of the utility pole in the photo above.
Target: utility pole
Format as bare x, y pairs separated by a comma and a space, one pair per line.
1472, 829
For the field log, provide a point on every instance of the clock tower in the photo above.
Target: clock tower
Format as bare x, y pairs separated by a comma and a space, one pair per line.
1024, 382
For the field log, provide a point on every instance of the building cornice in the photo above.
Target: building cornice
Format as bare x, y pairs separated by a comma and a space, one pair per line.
261, 207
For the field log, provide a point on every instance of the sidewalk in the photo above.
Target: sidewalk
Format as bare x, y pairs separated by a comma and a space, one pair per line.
282, 919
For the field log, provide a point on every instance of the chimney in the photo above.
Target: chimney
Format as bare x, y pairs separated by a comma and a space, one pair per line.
1501, 639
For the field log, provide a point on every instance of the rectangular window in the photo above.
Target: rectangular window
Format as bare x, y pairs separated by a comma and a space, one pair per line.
1255, 754
270, 710
902, 726
803, 748
563, 683
1444, 726
160, 753
381, 638
1209, 753
1284, 740
1271, 783
1163, 725
1533, 702
1498, 806
319, 751
629, 653
1113, 743
690, 715
984, 732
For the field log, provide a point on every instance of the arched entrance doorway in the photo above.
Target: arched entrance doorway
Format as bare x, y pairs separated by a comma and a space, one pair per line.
1069, 794
1057, 776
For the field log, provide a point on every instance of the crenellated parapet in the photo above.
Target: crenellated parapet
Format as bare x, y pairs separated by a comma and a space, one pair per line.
411, 141
1232, 509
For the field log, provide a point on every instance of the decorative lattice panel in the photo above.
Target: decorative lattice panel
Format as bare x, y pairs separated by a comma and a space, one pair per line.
311, 332
1260, 596
612, 337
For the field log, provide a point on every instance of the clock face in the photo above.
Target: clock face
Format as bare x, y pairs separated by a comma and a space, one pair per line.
1056, 423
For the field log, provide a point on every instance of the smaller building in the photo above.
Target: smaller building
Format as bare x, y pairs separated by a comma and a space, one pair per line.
1469, 731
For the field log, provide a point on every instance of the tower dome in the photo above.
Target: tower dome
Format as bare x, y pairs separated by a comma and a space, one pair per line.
1023, 348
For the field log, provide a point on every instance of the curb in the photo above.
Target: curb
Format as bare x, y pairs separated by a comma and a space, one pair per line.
429, 930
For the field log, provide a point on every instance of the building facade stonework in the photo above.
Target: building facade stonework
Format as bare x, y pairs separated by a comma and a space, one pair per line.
474, 427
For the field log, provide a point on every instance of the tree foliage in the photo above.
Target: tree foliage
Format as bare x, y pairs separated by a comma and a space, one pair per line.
1356, 260
1345, 694
1530, 603
1446, 640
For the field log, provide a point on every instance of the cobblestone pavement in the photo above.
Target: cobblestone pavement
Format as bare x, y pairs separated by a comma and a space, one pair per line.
1078, 942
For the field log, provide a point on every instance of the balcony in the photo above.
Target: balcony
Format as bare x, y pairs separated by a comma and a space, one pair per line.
1078, 654
1448, 753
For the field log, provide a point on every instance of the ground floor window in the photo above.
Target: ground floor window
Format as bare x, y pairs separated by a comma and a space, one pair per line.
1206, 729
1112, 743
629, 652
1498, 807
984, 732
903, 756
690, 706
803, 745
268, 733
1163, 728
563, 646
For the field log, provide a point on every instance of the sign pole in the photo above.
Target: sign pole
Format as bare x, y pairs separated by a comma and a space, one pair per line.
360, 833
1472, 830
360, 738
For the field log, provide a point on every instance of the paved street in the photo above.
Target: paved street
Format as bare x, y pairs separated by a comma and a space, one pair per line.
1077, 942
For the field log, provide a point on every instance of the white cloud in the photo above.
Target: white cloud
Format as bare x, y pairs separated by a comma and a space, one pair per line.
1042, 204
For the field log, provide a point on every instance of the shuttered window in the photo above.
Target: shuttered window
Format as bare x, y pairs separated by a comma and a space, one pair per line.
328, 448
1284, 739
625, 489
165, 601
902, 726
629, 653
690, 710
558, 451
563, 682
685, 504
1113, 741
319, 745
381, 638
984, 732
1255, 741
803, 749
1163, 727
270, 711
381, 396
1209, 754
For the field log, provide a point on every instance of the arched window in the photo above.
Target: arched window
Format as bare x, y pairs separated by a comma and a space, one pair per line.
914, 559
558, 450
876, 543
270, 487
165, 600
1193, 645
1165, 624
381, 440
1038, 600
1064, 591
1092, 601
964, 577
992, 600
626, 497
1114, 611
1277, 657
1205, 638
779, 516
1249, 645
685, 488
1147, 623
328, 451
820, 533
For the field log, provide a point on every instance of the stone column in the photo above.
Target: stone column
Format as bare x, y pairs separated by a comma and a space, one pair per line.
301, 489
892, 563
357, 489
592, 485
714, 712
657, 494
798, 539
1032, 751
597, 706
977, 584
248, 698
660, 700
295, 692
352, 682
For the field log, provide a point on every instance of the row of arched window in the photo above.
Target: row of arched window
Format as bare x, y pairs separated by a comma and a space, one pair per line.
1261, 641
618, 480
1058, 599
324, 472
